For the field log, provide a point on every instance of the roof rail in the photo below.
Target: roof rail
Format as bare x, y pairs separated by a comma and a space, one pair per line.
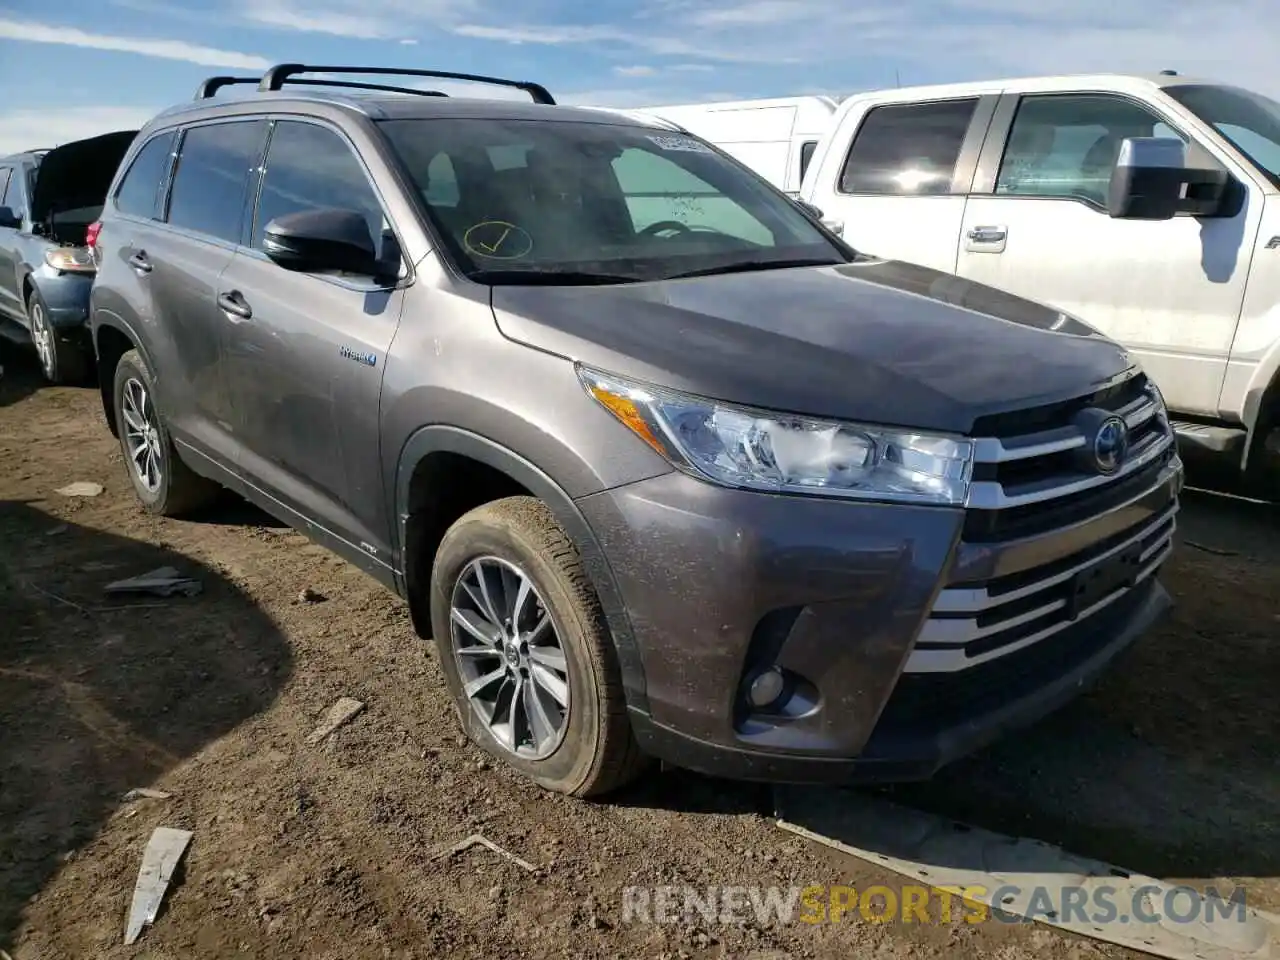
283, 73
211, 86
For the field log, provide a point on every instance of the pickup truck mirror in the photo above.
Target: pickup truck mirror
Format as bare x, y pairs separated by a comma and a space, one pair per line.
809, 208
318, 241
1153, 180
9, 220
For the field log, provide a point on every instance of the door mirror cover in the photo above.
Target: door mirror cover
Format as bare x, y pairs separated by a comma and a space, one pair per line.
330, 239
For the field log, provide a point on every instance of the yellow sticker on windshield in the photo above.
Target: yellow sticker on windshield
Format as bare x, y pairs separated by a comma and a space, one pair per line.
498, 240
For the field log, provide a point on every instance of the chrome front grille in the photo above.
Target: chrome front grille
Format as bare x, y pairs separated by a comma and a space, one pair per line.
1033, 477
1034, 482
1039, 467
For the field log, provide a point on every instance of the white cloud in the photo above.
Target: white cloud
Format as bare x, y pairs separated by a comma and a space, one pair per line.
971, 39
33, 32
359, 19
637, 71
22, 130
288, 17
409, 42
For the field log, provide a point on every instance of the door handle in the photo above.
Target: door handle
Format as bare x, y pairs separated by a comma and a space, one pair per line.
988, 234
140, 262
234, 303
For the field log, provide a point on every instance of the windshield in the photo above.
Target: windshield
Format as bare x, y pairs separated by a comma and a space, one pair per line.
521, 201
1250, 121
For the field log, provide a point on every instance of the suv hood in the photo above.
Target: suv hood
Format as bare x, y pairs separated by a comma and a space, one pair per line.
78, 174
873, 341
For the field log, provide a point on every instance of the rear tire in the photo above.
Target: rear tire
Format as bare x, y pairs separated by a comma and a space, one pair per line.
516, 545
163, 484
64, 360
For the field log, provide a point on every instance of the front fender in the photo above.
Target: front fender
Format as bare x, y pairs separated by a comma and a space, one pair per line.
447, 439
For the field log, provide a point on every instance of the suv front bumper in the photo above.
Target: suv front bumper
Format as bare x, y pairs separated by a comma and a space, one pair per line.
718, 583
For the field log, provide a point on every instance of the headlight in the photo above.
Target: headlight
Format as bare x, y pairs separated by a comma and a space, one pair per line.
70, 259
779, 453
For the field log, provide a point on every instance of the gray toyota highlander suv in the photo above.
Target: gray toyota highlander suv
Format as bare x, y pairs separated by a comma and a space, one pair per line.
664, 468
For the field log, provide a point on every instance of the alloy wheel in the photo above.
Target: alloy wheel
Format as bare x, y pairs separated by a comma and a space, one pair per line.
42, 338
142, 434
509, 657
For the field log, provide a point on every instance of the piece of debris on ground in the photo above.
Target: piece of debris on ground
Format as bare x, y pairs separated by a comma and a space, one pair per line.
1040, 880
81, 488
479, 840
308, 595
145, 793
161, 582
159, 861
342, 712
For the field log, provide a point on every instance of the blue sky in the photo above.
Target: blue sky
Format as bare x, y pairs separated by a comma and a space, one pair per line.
72, 70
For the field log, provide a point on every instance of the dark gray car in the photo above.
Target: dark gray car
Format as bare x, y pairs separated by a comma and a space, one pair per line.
664, 468
48, 200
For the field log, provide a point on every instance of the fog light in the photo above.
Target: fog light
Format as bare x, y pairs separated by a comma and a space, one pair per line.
766, 687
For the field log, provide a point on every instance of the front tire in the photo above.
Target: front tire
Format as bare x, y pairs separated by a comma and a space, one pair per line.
526, 651
163, 484
64, 360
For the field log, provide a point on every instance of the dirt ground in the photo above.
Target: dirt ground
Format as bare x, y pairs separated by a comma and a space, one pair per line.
1169, 767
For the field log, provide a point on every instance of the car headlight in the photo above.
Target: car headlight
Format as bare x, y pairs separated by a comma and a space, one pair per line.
762, 450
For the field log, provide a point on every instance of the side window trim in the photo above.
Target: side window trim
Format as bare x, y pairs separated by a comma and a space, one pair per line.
984, 106
6, 174
255, 194
984, 182
175, 160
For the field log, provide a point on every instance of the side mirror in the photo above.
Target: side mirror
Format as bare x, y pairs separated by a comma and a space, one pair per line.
809, 208
1153, 180
9, 220
321, 241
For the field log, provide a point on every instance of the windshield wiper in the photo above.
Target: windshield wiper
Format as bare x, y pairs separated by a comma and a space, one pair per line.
745, 266
551, 278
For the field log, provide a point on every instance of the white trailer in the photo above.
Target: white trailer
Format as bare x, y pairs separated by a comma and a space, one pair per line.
775, 137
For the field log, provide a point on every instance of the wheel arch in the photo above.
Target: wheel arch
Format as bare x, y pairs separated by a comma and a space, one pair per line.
444, 442
112, 339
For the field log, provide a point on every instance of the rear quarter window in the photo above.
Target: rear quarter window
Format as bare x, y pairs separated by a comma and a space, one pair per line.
139, 191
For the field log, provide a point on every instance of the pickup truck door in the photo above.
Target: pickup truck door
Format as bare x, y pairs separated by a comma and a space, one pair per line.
1036, 225
892, 176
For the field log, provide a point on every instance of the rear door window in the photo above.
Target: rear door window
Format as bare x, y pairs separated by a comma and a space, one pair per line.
908, 149
211, 182
139, 192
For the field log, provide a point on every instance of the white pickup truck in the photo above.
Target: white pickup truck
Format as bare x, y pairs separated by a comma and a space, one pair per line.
1010, 183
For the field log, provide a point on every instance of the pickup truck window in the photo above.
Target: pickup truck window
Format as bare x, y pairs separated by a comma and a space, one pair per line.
806, 154
1250, 121
1064, 145
907, 149
5, 173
